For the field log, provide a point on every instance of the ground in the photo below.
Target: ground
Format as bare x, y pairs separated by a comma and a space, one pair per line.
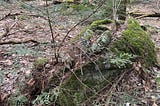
21, 24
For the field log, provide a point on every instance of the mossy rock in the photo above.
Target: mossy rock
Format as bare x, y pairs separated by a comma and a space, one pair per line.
102, 42
138, 42
98, 25
40, 63
84, 83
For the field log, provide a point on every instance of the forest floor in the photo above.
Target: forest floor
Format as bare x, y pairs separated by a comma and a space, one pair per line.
25, 36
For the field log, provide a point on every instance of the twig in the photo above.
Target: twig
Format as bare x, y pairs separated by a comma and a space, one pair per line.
9, 14
37, 16
142, 15
22, 30
19, 42
7, 30
21, 13
158, 5
111, 88
81, 21
50, 23
56, 53
108, 94
94, 64
114, 85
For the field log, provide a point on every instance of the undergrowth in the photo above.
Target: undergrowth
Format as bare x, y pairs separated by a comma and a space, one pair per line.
88, 81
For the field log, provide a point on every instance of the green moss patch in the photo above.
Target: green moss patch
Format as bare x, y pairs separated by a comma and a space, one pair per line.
40, 63
85, 83
138, 42
98, 24
88, 32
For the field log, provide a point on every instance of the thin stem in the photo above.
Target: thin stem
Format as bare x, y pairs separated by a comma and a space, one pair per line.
52, 35
50, 23
81, 21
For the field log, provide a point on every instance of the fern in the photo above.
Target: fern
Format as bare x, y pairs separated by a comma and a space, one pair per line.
46, 98
122, 60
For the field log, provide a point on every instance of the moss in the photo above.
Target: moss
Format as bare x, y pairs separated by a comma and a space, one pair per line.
136, 41
22, 17
65, 99
158, 81
77, 37
40, 63
68, 0
81, 7
96, 25
94, 77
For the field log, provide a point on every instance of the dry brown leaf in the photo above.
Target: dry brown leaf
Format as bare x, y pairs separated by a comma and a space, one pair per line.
3, 96
137, 66
8, 62
9, 75
31, 82
28, 72
154, 104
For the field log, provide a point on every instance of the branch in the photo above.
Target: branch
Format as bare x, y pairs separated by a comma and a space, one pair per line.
21, 13
142, 15
81, 21
19, 42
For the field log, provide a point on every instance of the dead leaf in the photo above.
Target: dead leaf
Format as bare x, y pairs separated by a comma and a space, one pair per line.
8, 62
9, 75
3, 96
28, 72
31, 82
154, 104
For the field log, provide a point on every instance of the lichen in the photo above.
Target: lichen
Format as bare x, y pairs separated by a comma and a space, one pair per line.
102, 41
138, 42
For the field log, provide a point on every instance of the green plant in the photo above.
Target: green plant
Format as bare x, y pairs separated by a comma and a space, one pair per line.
122, 60
2, 76
46, 98
17, 99
26, 6
158, 79
23, 50
124, 98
